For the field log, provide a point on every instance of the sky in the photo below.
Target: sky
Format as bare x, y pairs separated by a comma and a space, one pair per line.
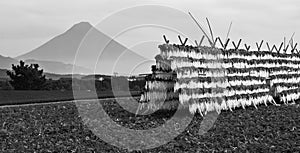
139, 25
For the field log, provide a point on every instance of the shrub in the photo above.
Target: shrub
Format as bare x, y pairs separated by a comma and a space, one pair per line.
26, 77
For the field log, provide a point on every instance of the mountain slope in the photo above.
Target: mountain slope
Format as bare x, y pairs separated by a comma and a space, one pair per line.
90, 44
62, 47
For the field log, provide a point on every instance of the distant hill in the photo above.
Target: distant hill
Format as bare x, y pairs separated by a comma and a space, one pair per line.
57, 67
48, 66
4, 76
63, 48
96, 77
59, 76
6, 62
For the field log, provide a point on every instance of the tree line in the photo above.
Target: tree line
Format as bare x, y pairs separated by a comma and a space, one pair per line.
31, 77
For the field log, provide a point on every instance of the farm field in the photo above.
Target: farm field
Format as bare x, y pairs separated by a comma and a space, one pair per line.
58, 127
15, 97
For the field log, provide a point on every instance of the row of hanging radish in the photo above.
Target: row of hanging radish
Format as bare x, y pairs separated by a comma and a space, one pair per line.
211, 79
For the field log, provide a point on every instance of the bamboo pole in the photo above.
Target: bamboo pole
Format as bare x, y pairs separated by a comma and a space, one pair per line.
203, 31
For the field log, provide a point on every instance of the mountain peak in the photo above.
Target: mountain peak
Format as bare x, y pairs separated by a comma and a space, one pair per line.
83, 43
85, 26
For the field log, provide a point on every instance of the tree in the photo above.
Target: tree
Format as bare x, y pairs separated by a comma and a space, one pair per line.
26, 77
